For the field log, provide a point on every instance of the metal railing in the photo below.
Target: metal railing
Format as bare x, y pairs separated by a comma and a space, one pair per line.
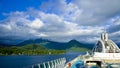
57, 63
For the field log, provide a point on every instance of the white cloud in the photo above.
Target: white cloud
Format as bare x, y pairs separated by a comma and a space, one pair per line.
7, 27
42, 35
116, 20
95, 12
84, 12
37, 24
83, 20
114, 25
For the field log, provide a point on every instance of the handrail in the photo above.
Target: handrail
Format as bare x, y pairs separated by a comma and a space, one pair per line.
57, 63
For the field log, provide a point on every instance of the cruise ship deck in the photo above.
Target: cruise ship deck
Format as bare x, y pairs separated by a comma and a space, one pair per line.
105, 54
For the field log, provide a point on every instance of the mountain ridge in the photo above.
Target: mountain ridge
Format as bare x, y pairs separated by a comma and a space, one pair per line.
53, 44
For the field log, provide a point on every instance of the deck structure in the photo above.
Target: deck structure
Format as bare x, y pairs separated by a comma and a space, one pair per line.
104, 52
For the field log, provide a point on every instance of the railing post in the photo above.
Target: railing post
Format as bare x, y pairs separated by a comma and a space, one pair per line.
52, 64
48, 64
38, 65
58, 63
44, 65
55, 63
32, 66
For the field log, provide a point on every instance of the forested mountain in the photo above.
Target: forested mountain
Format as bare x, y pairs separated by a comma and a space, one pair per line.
54, 45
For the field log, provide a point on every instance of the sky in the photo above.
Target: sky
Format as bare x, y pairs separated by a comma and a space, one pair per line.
59, 20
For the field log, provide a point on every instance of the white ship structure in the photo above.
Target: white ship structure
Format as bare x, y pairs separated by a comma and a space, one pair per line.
105, 54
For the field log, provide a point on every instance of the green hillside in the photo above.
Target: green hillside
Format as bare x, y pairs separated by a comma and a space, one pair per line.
41, 46
77, 49
29, 49
32, 47
54, 45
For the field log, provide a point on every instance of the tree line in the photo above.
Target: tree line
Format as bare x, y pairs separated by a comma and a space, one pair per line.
30, 49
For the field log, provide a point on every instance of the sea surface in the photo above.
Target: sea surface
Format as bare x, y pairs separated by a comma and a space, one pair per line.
28, 61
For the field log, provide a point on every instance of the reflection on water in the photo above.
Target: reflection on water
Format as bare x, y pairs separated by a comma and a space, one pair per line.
26, 61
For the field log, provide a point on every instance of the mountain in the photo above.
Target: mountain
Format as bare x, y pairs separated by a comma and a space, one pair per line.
5, 44
33, 41
32, 47
77, 49
54, 45
74, 43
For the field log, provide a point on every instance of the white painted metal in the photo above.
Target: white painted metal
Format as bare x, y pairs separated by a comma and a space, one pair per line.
44, 65
38, 65
104, 45
48, 64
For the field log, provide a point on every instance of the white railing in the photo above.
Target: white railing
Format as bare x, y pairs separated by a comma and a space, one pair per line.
107, 55
57, 63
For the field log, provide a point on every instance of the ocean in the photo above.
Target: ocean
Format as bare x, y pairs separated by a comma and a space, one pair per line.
27, 61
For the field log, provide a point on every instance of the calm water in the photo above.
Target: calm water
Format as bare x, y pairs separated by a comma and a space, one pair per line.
27, 61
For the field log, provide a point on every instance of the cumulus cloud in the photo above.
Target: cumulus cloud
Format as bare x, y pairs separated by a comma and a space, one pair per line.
114, 25
84, 12
37, 24
83, 20
95, 12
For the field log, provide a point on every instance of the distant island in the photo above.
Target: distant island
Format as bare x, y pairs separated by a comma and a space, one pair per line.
42, 46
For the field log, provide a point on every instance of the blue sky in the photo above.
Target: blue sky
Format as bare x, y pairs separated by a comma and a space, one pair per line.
8, 6
59, 20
